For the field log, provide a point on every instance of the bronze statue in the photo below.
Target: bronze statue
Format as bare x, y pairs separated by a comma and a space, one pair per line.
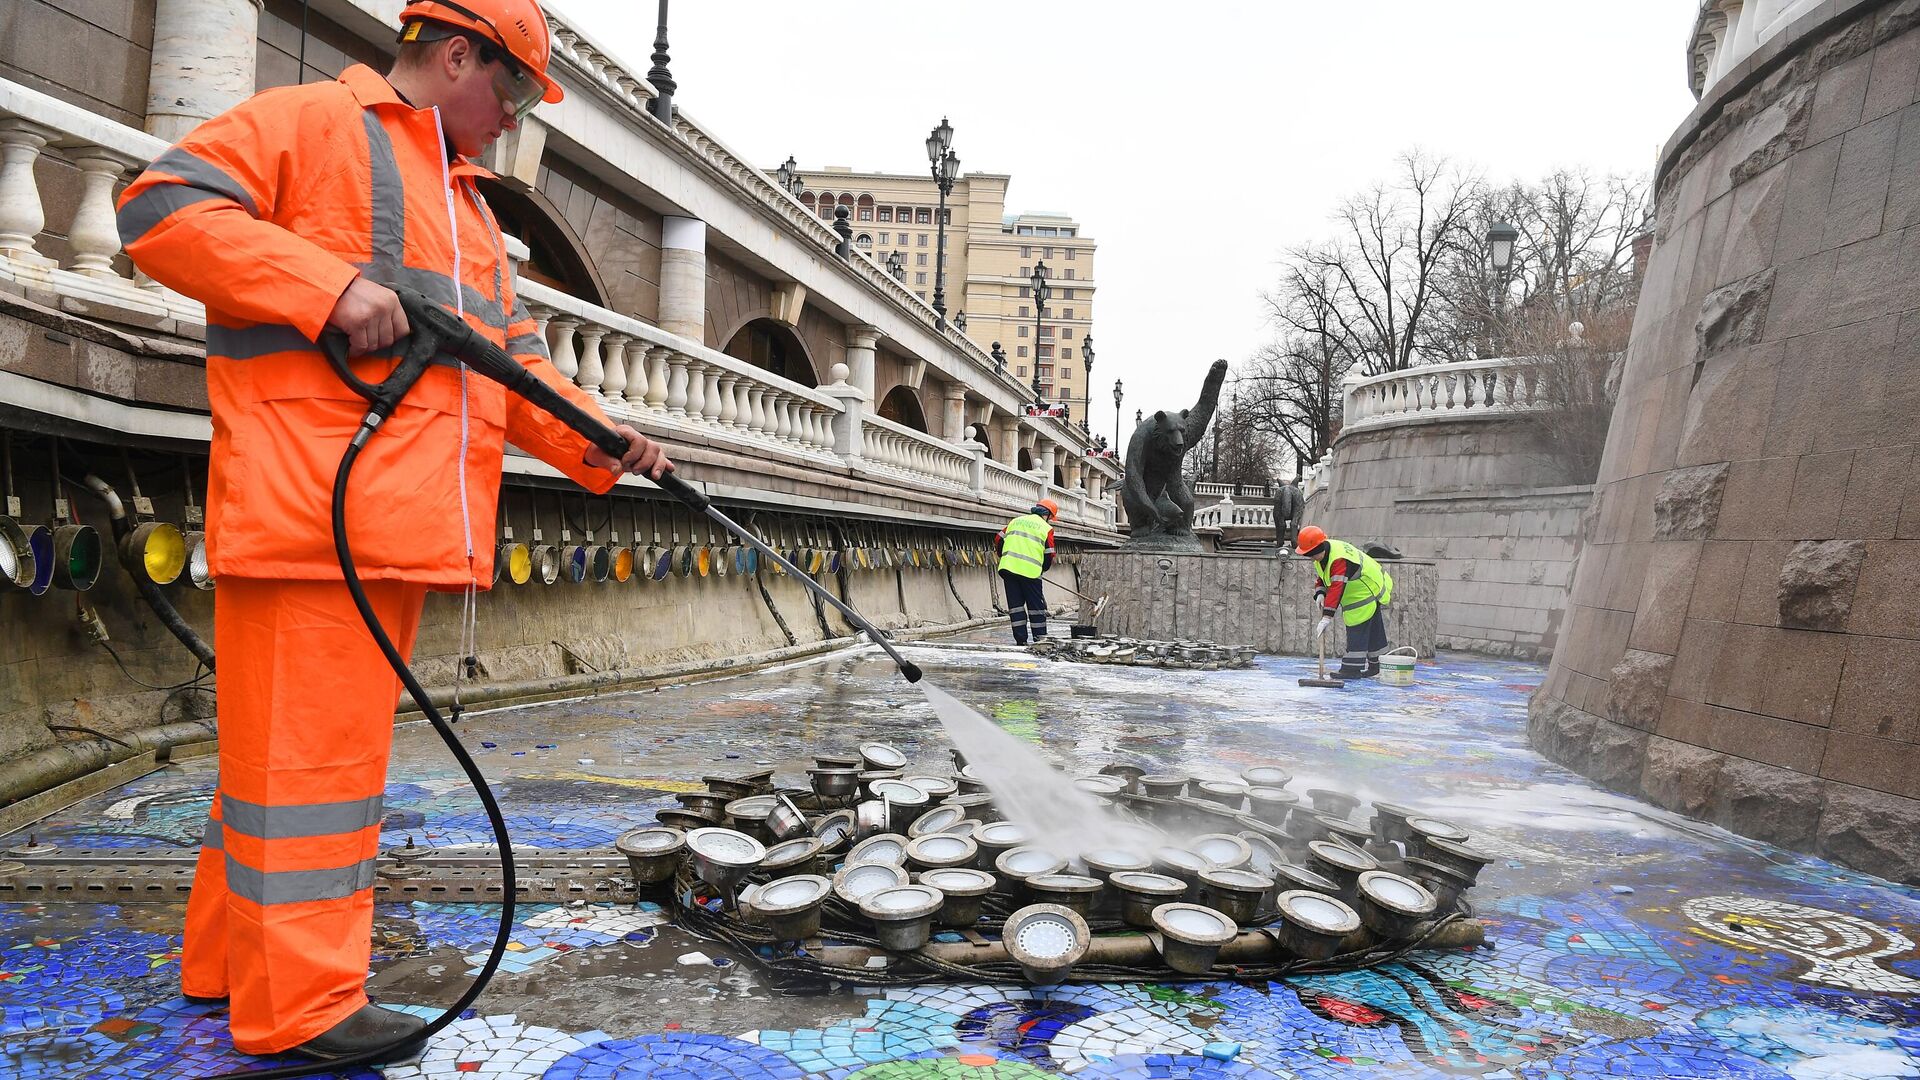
1159, 503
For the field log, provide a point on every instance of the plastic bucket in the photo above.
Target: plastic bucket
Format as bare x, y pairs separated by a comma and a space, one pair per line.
1396, 667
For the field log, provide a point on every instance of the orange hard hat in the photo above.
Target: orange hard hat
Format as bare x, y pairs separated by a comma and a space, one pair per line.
1311, 536
517, 26
1052, 508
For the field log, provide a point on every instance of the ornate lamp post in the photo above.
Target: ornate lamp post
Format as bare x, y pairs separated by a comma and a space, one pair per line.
960, 321
1118, 397
946, 169
1086, 357
1041, 291
897, 266
1500, 238
789, 174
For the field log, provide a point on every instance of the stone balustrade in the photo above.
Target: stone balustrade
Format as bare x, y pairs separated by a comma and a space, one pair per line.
899, 449
1470, 389
1728, 31
1228, 513
37, 130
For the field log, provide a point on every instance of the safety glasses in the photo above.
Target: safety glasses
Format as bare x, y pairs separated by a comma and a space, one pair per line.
518, 91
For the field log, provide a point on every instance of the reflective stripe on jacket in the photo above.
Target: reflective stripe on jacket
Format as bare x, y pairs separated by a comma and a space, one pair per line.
266, 213
1025, 544
1359, 593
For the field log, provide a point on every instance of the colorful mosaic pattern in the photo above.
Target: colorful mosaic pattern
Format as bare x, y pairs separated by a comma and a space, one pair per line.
1627, 942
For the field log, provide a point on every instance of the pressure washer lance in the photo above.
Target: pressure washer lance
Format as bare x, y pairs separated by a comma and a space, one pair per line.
438, 332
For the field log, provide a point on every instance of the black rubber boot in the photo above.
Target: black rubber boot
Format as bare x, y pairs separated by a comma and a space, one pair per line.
370, 1027
194, 999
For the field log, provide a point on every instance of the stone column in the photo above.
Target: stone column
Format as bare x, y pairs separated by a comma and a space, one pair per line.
203, 58
1008, 436
977, 468
1043, 461
683, 277
954, 423
861, 342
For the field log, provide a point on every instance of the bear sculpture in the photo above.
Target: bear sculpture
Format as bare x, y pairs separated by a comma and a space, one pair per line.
1159, 503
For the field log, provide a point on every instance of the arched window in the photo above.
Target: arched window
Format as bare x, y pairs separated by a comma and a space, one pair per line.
865, 211
806, 199
864, 242
902, 407
826, 205
768, 344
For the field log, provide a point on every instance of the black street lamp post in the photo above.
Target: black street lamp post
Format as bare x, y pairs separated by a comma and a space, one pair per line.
1086, 357
1041, 291
1500, 238
897, 266
945, 166
1118, 397
789, 173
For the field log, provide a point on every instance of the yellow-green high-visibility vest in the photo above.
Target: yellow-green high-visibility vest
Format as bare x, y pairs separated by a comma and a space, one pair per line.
1024, 550
1371, 586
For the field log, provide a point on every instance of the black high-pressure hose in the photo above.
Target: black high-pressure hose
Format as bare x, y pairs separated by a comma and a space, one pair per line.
163, 608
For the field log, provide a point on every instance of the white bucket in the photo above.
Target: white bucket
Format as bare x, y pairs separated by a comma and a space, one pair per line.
1396, 667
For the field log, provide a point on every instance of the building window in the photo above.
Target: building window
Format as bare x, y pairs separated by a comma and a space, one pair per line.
1065, 294
1046, 331
1046, 253
1071, 253
864, 242
1069, 273
1046, 352
920, 277
866, 213
886, 213
1026, 251
1066, 332
1067, 232
886, 238
920, 240
903, 215
946, 216
1022, 369
1023, 296
921, 295
1021, 330
1022, 351
923, 216
1066, 313
1025, 230
1066, 374
1025, 271
1023, 311
920, 259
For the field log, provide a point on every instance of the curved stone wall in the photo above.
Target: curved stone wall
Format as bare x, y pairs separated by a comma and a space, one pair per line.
1742, 641
1478, 500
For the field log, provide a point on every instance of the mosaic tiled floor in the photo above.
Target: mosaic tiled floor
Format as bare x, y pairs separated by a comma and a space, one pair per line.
1627, 942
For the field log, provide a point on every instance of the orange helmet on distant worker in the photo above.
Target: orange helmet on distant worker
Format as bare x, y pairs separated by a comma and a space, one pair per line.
518, 26
1311, 537
1052, 508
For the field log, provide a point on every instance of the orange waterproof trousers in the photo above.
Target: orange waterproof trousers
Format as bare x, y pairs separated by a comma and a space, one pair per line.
281, 914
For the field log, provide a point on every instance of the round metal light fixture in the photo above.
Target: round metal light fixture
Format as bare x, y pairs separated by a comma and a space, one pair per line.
1141, 892
1265, 854
1101, 785
1163, 785
938, 819
869, 819
199, 570
1191, 936
1223, 850
1457, 856
1292, 877
881, 756
1017, 864
1229, 793
965, 891
902, 915
1271, 804
786, 821
514, 562
155, 551
1046, 940
834, 831
1179, 863
1075, 892
1334, 804
723, 857
546, 563
797, 856
856, 880
790, 907
834, 783
653, 854
1313, 925
1390, 821
1445, 883
574, 562
16, 554
1234, 893
1393, 906
888, 848
1340, 864
935, 788
941, 851
76, 557
1266, 776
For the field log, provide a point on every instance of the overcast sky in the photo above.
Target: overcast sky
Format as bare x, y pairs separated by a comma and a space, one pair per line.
1194, 141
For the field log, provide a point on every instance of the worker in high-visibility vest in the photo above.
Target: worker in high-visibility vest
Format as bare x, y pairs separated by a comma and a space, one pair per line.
1026, 552
295, 213
1355, 585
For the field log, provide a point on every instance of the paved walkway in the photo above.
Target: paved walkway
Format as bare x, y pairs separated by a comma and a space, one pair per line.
1626, 942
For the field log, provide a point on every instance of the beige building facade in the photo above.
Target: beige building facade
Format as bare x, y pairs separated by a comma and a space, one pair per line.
990, 259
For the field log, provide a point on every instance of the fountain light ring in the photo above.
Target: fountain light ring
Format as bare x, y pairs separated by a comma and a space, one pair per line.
1221, 849
936, 820
686, 820
1141, 892
888, 848
1460, 857
1292, 877
1234, 893
1340, 864
1191, 936
833, 783
1046, 940
1228, 793
1333, 803
790, 907
76, 557
1021, 863
1163, 785
882, 757
1101, 785
723, 857
799, 855
1075, 892
16, 554
1313, 924
834, 831
653, 853
1266, 776
965, 891
1393, 906
156, 551
858, 879
869, 819
936, 788
839, 761
786, 822
1390, 821
941, 850
1444, 882
1265, 854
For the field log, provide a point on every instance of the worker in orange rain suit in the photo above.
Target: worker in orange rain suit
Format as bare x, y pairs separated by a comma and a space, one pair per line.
290, 215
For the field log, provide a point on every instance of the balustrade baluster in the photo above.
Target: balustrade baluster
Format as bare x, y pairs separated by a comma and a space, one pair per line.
728, 413
676, 384
696, 389
653, 389
783, 420
613, 356
21, 214
757, 409
593, 371
94, 234
560, 344
710, 403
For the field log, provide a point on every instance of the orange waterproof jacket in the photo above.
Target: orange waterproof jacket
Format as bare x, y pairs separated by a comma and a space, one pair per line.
266, 213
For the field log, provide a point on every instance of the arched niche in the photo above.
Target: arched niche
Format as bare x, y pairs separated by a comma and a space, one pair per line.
773, 346
902, 406
557, 258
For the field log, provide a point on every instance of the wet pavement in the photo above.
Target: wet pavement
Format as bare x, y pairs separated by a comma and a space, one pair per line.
1625, 941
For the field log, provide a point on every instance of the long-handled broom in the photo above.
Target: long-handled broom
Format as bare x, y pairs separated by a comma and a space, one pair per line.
1323, 681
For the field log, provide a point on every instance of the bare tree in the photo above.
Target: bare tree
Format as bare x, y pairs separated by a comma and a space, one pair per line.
1567, 377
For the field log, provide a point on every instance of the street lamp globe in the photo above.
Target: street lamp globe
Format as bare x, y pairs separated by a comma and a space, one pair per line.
938, 140
789, 172
1117, 395
1500, 238
950, 167
1086, 353
1041, 290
